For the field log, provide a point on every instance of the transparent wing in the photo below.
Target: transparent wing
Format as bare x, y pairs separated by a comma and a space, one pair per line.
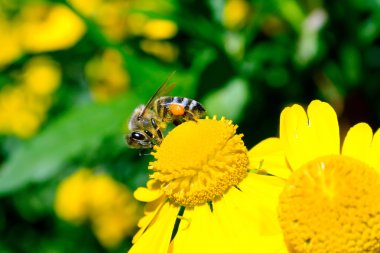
163, 90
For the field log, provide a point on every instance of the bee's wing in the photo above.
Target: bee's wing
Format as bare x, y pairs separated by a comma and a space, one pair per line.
163, 90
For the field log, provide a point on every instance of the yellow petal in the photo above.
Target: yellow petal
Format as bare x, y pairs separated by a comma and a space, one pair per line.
306, 139
157, 237
293, 124
149, 193
223, 230
238, 223
375, 151
150, 211
272, 244
199, 231
357, 143
269, 155
263, 193
146, 195
324, 128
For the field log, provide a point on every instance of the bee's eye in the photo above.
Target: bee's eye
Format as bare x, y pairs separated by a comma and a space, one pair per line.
137, 136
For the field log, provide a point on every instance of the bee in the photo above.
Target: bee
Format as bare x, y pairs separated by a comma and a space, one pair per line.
148, 121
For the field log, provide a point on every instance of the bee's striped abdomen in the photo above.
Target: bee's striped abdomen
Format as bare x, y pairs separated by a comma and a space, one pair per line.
169, 108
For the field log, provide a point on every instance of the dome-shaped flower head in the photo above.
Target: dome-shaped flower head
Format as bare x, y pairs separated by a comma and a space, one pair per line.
203, 196
331, 201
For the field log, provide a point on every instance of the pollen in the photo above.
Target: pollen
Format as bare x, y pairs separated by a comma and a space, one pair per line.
199, 161
177, 109
332, 204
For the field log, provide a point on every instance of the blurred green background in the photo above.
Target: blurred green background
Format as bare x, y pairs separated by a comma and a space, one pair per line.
71, 73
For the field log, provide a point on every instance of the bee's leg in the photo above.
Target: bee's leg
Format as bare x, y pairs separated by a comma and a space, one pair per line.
159, 133
190, 116
149, 133
154, 124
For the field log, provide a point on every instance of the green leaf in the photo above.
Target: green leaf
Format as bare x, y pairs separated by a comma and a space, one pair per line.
228, 101
81, 128
351, 64
292, 12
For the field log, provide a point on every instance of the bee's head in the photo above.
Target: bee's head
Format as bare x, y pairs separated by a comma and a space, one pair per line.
140, 139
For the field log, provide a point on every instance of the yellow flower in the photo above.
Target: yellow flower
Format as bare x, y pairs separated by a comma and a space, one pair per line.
113, 211
20, 112
331, 200
87, 8
163, 50
160, 29
112, 16
107, 75
49, 27
46, 72
202, 196
236, 13
23, 106
9, 42
71, 197
107, 204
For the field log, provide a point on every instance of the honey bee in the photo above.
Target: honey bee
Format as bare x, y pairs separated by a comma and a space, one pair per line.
148, 121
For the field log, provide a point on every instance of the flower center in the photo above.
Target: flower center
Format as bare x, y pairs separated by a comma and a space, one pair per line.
332, 204
199, 161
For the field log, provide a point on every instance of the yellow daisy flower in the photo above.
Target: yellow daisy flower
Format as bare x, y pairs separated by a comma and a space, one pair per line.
107, 204
45, 27
331, 202
236, 14
157, 29
24, 102
107, 75
203, 196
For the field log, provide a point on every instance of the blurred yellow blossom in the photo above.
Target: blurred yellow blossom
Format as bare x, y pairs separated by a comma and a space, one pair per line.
107, 75
118, 20
70, 199
87, 8
138, 20
156, 31
101, 201
49, 27
113, 210
24, 103
18, 112
37, 27
236, 13
111, 228
160, 29
107, 204
9, 38
111, 16
42, 76
163, 50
